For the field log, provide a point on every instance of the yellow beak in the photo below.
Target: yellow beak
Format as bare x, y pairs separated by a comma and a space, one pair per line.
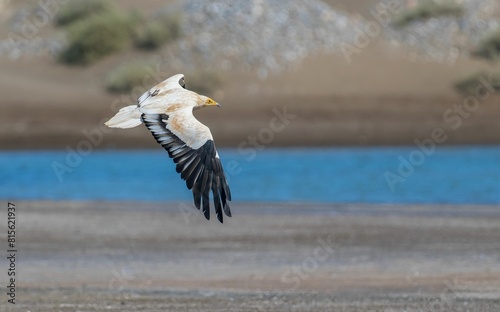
211, 102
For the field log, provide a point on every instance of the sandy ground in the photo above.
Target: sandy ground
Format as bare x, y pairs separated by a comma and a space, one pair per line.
47, 105
96, 256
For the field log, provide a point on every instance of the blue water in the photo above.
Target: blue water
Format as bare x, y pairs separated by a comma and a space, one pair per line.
454, 175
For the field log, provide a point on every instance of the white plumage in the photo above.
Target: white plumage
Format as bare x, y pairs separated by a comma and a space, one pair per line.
167, 111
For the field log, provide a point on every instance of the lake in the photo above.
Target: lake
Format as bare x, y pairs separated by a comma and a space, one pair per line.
450, 175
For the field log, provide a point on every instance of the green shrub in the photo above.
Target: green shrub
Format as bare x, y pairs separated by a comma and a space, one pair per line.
156, 32
470, 83
76, 10
203, 82
96, 36
129, 75
489, 47
428, 9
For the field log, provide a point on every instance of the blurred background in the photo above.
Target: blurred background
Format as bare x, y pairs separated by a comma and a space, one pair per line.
419, 74
353, 73
350, 120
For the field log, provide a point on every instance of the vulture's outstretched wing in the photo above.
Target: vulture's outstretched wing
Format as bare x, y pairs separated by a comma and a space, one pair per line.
190, 144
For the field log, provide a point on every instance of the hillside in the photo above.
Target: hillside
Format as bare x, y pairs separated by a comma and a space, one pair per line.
382, 96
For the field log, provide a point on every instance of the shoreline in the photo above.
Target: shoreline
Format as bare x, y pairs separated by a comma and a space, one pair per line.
360, 257
147, 147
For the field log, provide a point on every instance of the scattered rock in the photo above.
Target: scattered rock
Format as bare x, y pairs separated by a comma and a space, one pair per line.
446, 38
272, 35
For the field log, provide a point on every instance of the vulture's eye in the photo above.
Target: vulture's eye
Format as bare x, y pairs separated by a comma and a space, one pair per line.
182, 83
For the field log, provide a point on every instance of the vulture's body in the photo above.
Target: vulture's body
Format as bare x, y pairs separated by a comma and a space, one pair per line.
167, 111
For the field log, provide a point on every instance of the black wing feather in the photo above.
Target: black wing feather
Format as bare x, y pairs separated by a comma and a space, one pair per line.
200, 168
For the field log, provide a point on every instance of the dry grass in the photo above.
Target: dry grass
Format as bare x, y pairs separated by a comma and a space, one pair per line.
133, 74
97, 36
76, 10
470, 83
127, 76
157, 31
203, 82
489, 47
428, 9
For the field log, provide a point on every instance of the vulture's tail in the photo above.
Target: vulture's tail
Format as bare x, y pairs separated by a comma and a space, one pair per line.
127, 117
